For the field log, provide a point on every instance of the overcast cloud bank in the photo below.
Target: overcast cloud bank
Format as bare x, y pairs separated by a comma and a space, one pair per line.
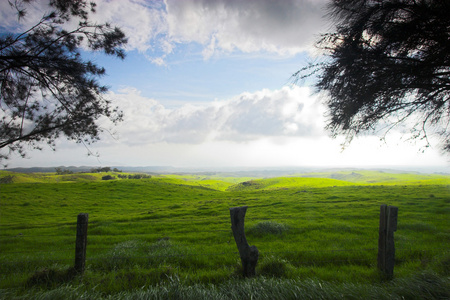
287, 112
157, 28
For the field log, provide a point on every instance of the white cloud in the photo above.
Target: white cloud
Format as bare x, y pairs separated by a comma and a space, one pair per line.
156, 27
283, 27
247, 117
142, 21
264, 152
264, 128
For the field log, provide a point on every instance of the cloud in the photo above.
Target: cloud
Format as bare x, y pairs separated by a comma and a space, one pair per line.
142, 21
156, 28
287, 112
282, 27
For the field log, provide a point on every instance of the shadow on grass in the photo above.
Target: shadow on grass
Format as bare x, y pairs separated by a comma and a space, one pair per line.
51, 277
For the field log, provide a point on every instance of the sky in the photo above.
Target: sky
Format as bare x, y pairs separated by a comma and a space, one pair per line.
207, 84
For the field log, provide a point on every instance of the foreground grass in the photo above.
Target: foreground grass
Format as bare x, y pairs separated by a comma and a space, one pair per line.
421, 286
172, 235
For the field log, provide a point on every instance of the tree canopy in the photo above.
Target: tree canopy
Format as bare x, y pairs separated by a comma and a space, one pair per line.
387, 63
47, 89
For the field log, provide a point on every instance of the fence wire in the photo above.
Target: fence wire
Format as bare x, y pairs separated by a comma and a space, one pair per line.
226, 220
112, 248
98, 251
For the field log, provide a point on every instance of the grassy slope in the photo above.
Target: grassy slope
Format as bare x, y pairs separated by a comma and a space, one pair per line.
287, 182
51, 177
221, 182
128, 218
380, 177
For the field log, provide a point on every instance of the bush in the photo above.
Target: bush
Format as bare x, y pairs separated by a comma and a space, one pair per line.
7, 179
108, 177
274, 267
268, 227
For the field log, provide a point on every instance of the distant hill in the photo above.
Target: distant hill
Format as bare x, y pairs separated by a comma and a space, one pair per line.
346, 174
48, 169
150, 169
231, 172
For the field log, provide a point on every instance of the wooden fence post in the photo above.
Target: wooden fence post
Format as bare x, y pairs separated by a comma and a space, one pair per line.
386, 247
81, 242
249, 254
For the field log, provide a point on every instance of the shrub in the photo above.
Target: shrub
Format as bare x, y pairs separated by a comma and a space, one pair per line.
268, 227
274, 267
108, 177
7, 179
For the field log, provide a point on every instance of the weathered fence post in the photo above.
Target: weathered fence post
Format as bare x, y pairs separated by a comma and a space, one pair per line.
81, 242
248, 254
386, 247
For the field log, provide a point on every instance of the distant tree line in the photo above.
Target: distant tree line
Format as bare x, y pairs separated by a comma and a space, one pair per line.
105, 169
60, 171
123, 176
134, 176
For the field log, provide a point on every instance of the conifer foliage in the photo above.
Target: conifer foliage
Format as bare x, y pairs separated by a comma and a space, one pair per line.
387, 63
47, 89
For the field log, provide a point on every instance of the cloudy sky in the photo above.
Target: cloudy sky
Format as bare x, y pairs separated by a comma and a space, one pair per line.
207, 84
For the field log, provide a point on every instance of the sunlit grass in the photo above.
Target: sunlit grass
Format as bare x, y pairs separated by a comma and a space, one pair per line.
145, 232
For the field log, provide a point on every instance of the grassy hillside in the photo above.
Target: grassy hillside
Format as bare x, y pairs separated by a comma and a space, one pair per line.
176, 228
380, 177
288, 182
221, 181
48, 177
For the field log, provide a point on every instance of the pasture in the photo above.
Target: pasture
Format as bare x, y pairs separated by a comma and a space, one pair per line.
168, 234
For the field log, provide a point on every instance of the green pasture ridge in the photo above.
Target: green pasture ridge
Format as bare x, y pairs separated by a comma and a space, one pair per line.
222, 181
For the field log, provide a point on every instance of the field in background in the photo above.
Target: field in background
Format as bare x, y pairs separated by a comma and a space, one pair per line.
145, 232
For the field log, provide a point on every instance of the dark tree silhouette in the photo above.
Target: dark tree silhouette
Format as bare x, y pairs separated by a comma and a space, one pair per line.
47, 89
387, 63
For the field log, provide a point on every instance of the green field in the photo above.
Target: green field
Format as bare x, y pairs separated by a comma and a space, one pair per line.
169, 236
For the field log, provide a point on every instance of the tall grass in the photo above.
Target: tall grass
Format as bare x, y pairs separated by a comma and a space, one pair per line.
421, 286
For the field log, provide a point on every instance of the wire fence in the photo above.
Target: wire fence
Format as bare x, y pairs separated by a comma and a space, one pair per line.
111, 250
224, 219
234, 254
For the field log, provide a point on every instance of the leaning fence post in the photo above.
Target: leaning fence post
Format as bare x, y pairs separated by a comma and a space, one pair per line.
81, 242
248, 254
386, 246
